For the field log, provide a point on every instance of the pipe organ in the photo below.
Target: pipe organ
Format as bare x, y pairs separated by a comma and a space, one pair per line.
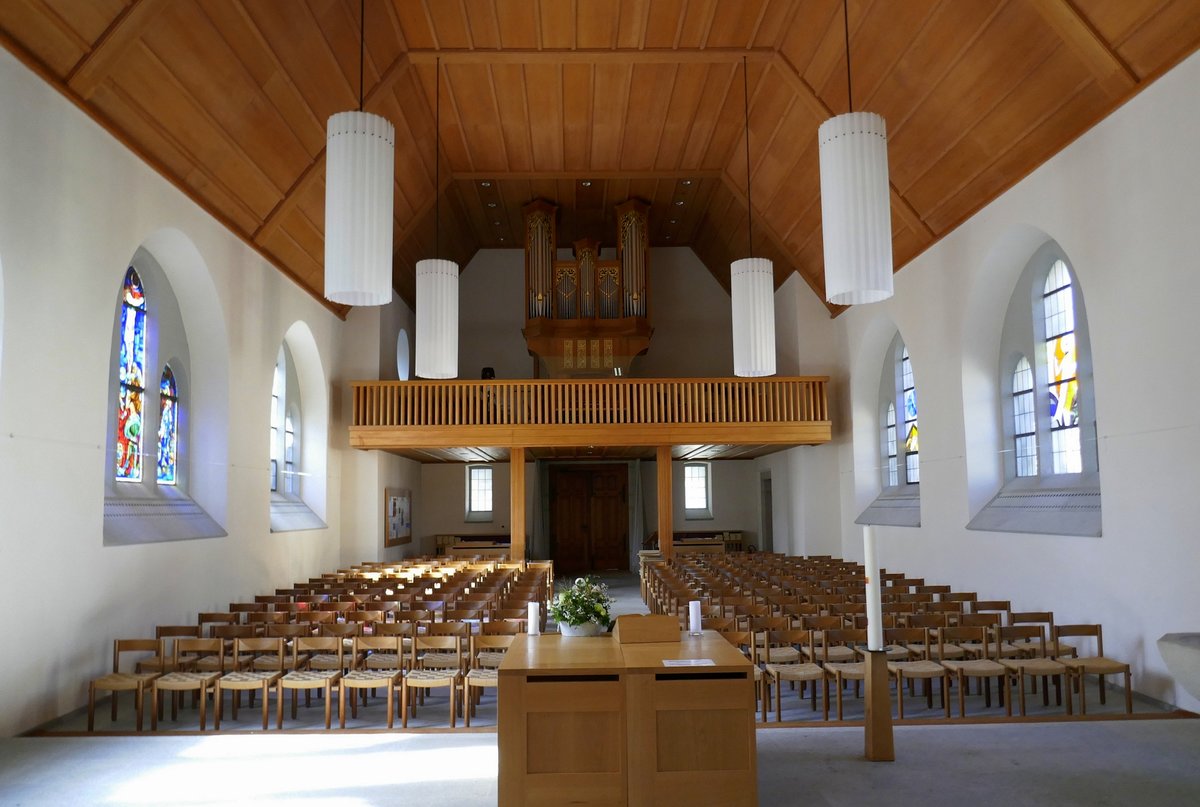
587, 316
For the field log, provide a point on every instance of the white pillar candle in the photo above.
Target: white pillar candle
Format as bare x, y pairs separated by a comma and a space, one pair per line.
535, 620
874, 596
694, 617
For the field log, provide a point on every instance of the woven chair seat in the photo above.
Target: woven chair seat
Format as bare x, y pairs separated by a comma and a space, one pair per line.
1096, 665
984, 667
781, 655
1035, 666
248, 678
324, 662
383, 661
185, 679
372, 677
490, 658
443, 661
483, 677
796, 672
854, 670
838, 654
917, 669
431, 677
309, 677
119, 682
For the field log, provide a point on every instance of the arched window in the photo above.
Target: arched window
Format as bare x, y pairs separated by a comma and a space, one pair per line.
892, 478
277, 388
1058, 311
912, 469
291, 479
131, 375
1024, 420
168, 413
1047, 410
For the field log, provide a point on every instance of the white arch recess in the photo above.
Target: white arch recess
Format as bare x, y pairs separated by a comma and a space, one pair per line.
986, 305
314, 414
2, 318
864, 401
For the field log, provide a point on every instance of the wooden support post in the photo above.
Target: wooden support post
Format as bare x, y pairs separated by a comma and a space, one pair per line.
516, 500
666, 527
879, 746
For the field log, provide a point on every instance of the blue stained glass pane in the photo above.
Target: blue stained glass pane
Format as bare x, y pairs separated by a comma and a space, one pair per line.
133, 347
132, 292
167, 428
910, 404
129, 435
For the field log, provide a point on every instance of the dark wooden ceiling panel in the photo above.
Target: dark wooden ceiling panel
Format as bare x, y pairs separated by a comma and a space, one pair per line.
229, 100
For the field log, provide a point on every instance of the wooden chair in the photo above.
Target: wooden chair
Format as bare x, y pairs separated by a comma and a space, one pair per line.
436, 661
745, 642
982, 666
807, 673
1098, 665
164, 661
211, 619
1035, 666
184, 678
260, 665
1054, 648
820, 624
915, 641
843, 671
117, 681
378, 662
304, 676
486, 653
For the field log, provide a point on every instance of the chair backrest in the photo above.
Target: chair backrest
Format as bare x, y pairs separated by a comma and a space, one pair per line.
364, 646
486, 641
958, 596
414, 615
316, 617
266, 617
1081, 631
214, 619
138, 646
1033, 618
969, 637
743, 640
441, 644
304, 645
504, 628
188, 649
987, 619
795, 637
718, 623
393, 628
448, 629
261, 647
822, 623
939, 589
910, 638
248, 607
337, 606
1025, 633
342, 629
364, 616
923, 620
991, 605
290, 630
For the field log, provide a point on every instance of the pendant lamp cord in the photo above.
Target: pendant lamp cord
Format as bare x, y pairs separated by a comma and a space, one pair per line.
437, 166
362, 48
846, 25
749, 206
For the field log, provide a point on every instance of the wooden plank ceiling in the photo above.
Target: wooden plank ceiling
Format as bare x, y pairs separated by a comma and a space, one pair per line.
588, 102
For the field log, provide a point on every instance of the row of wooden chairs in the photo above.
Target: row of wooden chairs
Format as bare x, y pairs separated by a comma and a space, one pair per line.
260, 665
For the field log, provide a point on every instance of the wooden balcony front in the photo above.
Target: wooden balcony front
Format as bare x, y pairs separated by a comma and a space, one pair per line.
769, 412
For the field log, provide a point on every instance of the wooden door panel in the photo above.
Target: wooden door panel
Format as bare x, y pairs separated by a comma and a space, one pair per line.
569, 517
609, 523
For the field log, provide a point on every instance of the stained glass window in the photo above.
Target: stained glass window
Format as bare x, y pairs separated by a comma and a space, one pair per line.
912, 470
168, 414
131, 374
893, 473
1061, 375
1024, 420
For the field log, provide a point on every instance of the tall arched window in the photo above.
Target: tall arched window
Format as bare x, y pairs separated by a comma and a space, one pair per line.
291, 479
131, 375
277, 387
912, 468
892, 477
1058, 311
1024, 420
168, 413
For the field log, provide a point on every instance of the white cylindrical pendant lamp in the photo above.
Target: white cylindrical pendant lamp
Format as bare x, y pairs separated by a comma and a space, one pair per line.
856, 215
437, 318
752, 292
360, 155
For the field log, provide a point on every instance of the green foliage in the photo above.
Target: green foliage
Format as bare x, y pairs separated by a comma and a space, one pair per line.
584, 601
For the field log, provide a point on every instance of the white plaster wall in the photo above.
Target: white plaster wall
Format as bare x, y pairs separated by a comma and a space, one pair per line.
74, 205
691, 314
1122, 202
443, 504
735, 495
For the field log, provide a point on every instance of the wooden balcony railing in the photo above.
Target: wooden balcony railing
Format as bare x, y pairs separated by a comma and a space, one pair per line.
617, 411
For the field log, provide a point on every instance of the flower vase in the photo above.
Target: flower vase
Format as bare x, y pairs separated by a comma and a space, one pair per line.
586, 629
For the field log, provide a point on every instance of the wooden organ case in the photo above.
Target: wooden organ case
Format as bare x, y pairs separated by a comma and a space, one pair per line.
587, 317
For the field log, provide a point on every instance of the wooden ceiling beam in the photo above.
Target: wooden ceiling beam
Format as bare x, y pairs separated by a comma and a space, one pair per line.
1102, 60
808, 96
621, 56
127, 28
497, 176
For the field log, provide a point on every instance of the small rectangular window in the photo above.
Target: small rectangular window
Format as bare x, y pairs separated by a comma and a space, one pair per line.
479, 493
697, 491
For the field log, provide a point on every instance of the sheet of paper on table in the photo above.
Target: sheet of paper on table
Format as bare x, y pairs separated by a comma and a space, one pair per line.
689, 662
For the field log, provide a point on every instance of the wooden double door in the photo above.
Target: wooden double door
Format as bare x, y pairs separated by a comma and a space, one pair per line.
589, 518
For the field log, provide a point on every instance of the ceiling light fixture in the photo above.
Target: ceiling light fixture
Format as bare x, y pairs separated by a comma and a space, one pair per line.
437, 280
360, 159
587, 183
856, 220
752, 288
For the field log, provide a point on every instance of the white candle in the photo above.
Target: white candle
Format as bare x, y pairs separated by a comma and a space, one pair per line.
694, 617
535, 621
874, 598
